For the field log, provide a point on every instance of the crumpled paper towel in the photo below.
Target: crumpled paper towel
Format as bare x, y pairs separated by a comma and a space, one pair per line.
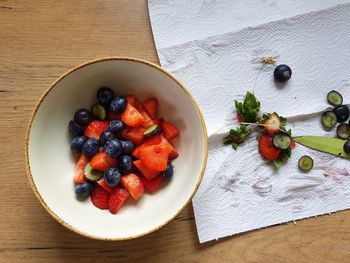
240, 190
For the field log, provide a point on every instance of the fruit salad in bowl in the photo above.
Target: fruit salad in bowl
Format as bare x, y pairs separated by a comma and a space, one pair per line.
116, 148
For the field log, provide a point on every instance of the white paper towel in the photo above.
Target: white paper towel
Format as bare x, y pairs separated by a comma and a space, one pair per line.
240, 190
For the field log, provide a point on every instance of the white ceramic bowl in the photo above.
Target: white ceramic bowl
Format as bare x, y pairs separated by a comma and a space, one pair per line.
50, 164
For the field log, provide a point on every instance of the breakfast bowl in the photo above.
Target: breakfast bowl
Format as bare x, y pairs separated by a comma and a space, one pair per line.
50, 162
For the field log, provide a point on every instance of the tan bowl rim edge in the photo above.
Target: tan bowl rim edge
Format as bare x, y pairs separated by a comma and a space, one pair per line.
47, 91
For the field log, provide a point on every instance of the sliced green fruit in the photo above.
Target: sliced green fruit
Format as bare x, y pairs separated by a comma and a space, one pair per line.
99, 112
343, 131
329, 119
152, 131
305, 163
334, 98
91, 173
282, 141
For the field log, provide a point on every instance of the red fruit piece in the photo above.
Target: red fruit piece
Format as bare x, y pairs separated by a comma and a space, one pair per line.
267, 149
272, 125
112, 116
136, 135
104, 185
117, 199
150, 141
95, 128
148, 173
155, 157
151, 106
147, 122
292, 144
240, 117
133, 184
100, 197
173, 153
79, 177
169, 130
131, 116
102, 162
152, 185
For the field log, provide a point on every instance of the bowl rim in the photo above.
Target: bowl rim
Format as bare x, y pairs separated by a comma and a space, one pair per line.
36, 108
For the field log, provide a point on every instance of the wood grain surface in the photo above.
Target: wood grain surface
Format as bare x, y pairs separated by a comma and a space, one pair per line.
39, 40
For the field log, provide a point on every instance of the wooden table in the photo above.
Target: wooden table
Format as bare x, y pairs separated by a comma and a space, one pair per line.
39, 40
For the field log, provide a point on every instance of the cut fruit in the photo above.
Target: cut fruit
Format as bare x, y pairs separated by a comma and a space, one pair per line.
136, 135
95, 128
151, 106
99, 112
282, 141
267, 149
148, 173
104, 185
91, 173
173, 153
329, 119
152, 185
305, 163
150, 141
152, 131
133, 184
147, 122
79, 177
131, 116
102, 162
343, 131
117, 199
335, 98
100, 197
342, 112
272, 125
155, 157
169, 130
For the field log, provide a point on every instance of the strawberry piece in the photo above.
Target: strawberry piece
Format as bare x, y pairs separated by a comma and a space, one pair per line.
148, 122
112, 116
272, 125
240, 117
133, 184
148, 173
169, 130
117, 199
267, 149
136, 135
173, 153
104, 185
131, 116
152, 185
292, 144
150, 141
155, 157
100, 197
79, 177
151, 106
102, 162
131, 99
95, 128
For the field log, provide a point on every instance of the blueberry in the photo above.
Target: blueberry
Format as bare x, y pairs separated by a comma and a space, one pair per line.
75, 129
127, 147
282, 73
346, 146
168, 174
83, 117
116, 126
112, 177
83, 190
105, 96
342, 112
77, 144
113, 148
90, 147
106, 136
125, 163
118, 104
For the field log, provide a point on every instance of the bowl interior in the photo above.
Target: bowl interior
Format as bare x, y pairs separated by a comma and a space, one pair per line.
52, 164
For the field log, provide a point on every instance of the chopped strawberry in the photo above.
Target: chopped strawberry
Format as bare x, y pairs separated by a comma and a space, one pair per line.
267, 149
79, 177
148, 122
95, 128
100, 197
131, 99
112, 116
131, 116
159, 122
272, 125
150, 141
136, 135
148, 173
102, 162
104, 185
173, 153
133, 184
169, 130
151, 106
292, 144
155, 157
152, 185
240, 117
117, 199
